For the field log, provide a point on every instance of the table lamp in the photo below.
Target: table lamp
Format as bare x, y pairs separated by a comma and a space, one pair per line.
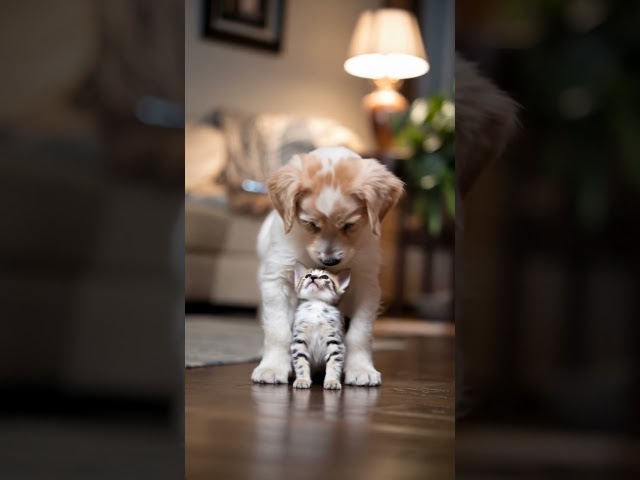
386, 47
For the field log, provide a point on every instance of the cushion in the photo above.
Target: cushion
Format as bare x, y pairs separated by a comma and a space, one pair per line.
204, 156
229, 279
211, 229
205, 227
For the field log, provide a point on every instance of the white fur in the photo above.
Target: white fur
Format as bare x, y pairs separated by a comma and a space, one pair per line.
327, 200
278, 254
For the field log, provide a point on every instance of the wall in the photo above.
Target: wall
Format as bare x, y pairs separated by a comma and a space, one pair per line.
306, 77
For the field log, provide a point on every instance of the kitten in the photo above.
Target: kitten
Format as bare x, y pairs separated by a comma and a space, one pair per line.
318, 328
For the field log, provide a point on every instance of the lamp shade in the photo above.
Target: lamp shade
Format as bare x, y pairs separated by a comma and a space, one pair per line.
386, 43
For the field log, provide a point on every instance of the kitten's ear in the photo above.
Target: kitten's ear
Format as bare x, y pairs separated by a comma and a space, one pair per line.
344, 277
299, 271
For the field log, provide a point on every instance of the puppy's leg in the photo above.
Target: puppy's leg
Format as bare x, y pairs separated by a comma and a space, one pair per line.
278, 308
359, 364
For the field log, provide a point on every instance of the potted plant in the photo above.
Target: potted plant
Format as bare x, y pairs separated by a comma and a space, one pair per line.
425, 134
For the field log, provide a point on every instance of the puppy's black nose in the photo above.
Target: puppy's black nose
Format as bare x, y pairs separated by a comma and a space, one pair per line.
329, 262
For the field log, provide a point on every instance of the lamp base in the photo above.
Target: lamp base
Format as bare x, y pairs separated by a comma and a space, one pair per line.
381, 104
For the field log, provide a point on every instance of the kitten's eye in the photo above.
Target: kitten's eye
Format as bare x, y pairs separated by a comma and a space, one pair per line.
347, 226
307, 275
324, 277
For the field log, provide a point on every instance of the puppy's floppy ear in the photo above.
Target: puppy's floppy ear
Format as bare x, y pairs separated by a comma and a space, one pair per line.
285, 188
379, 189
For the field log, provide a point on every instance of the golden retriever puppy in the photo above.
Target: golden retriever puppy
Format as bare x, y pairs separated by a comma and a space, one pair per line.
328, 209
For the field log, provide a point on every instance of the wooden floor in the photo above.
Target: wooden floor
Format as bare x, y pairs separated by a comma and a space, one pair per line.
402, 430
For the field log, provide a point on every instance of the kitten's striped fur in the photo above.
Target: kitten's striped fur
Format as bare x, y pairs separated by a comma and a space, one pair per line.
318, 328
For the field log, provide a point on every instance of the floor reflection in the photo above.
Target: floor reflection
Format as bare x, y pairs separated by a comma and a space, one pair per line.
335, 427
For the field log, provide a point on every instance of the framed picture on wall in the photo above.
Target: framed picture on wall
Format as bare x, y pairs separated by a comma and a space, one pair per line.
254, 23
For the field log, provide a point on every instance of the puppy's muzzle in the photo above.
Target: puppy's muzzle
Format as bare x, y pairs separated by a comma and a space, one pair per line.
331, 261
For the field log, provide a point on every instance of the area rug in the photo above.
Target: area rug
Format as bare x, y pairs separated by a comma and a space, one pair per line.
225, 340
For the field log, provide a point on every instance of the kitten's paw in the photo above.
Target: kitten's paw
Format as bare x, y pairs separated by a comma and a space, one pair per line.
362, 376
271, 373
332, 384
302, 383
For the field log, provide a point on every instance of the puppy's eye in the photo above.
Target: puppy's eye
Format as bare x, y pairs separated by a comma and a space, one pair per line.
312, 226
308, 275
347, 226
324, 277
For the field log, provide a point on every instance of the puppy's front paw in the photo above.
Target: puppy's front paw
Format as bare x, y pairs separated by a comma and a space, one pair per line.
302, 383
332, 384
270, 373
362, 376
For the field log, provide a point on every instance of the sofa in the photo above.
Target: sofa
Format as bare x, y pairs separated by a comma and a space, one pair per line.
220, 257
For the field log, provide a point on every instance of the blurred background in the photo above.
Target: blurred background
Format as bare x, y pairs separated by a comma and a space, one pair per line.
548, 376
91, 119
